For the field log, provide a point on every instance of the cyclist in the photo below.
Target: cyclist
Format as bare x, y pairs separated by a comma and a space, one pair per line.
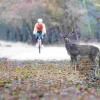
39, 30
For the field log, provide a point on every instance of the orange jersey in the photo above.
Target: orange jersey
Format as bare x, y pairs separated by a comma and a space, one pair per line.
39, 27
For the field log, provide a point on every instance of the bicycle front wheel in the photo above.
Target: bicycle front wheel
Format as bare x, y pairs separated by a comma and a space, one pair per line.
39, 48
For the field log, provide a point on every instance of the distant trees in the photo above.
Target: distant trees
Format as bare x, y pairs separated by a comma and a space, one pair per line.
53, 34
79, 17
81, 14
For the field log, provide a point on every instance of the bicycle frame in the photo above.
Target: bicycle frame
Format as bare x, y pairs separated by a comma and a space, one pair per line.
39, 44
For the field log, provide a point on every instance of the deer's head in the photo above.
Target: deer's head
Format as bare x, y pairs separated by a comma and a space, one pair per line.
66, 38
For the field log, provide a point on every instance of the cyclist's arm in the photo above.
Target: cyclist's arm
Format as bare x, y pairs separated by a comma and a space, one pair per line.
35, 29
44, 29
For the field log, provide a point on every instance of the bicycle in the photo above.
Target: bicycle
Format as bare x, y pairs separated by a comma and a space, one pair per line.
39, 38
39, 44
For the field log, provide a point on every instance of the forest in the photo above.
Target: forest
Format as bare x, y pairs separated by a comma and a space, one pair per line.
81, 18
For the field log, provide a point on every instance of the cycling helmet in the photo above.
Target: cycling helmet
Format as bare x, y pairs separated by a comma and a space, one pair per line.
40, 20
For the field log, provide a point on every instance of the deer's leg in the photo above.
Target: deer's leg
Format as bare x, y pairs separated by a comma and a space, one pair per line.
92, 73
91, 57
73, 62
78, 61
97, 59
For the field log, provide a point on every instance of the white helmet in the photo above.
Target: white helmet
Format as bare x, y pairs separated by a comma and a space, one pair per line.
40, 20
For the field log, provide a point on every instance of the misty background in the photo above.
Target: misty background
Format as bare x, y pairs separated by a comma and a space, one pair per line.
79, 17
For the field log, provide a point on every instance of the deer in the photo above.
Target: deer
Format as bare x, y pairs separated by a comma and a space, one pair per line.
76, 50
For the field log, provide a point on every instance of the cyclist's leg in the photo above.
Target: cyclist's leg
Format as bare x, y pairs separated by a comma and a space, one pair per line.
37, 36
42, 37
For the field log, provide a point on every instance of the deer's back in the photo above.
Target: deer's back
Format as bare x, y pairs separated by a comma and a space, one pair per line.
87, 49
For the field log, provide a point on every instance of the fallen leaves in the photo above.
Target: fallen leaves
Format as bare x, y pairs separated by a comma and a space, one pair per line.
42, 80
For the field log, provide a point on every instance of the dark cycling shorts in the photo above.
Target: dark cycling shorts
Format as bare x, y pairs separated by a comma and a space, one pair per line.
39, 35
